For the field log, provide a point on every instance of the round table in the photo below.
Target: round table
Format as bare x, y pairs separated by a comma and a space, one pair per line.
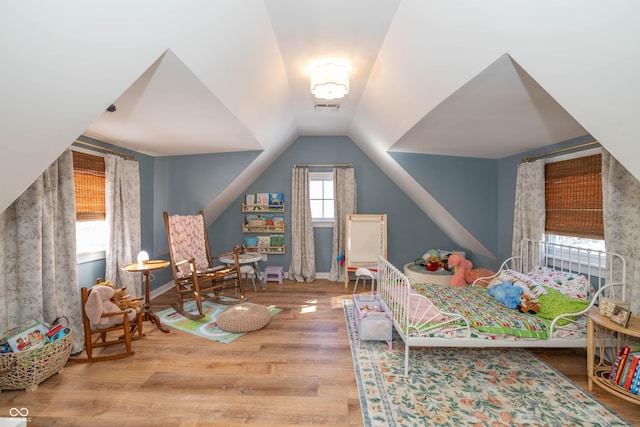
247, 258
422, 275
146, 268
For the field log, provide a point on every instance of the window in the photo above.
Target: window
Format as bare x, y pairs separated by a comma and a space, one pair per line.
573, 199
321, 198
91, 225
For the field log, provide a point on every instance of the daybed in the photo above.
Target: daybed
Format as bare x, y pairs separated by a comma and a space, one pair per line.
568, 281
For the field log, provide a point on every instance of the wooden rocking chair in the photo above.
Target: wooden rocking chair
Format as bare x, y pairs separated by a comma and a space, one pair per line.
197, 274
122, 333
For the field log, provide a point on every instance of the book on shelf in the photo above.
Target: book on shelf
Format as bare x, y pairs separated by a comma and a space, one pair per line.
249, 199
276, 240
627, 378
622, 364
264, 241
616, 365
278, 223
635, 383
262, 198
276, 199
623, 360
625, 369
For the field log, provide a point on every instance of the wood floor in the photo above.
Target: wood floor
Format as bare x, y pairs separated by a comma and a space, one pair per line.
296, 371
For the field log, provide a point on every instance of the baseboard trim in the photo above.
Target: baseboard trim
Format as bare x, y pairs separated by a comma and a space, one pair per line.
169, 285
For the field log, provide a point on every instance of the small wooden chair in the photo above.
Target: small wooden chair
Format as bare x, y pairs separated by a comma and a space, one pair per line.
106, 336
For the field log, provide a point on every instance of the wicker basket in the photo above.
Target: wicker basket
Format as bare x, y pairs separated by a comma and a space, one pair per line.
27, 369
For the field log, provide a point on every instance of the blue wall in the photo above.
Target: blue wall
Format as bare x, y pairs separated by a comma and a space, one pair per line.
479, 193
410, 232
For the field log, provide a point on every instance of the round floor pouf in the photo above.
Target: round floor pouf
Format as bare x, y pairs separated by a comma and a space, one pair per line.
244, 318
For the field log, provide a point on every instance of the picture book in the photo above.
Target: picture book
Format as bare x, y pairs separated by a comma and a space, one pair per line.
276, 199
278, 222
264, 241
277, 240
262, 198
31, 336
250, 199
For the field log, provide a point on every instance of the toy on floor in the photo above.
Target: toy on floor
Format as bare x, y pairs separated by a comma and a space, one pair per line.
464, 273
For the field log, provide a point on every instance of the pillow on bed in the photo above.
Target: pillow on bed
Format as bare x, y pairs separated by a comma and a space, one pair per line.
530, 286
570, 284
553, 303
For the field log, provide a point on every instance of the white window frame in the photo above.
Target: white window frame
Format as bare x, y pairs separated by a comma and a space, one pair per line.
554, 238
322, 176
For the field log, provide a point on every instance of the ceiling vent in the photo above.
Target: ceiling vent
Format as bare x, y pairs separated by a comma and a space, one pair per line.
320, 106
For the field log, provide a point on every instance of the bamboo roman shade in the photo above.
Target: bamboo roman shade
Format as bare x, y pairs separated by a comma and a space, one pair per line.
573, 197
89, 181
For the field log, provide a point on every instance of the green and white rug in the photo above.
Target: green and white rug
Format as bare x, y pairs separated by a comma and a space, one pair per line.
467, 387
207, 326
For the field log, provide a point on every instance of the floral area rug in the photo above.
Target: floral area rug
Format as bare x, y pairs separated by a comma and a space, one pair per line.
207, 326
466, 387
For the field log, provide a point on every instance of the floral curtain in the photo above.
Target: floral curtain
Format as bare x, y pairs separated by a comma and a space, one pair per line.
345, 202
303, 255
621, 211
529, 209
38, 269
122, 196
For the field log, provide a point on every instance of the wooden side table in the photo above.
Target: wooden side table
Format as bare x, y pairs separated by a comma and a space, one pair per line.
146, 268
604, 338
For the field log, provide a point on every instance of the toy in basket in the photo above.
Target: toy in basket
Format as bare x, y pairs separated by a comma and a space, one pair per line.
38, 354
372, 318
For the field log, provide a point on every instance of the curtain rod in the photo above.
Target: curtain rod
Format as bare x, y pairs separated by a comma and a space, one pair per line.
560, 150
342, 165
106, 150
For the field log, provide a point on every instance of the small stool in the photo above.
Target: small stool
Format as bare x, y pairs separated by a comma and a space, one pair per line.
247, 270
364, 273
273, 273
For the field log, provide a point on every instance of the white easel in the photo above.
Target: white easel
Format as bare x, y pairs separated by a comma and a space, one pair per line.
366, 240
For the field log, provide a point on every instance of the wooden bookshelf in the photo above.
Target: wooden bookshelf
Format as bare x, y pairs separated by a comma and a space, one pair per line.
603, 341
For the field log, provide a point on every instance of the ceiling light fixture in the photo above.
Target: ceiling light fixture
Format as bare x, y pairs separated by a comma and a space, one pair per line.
330, 81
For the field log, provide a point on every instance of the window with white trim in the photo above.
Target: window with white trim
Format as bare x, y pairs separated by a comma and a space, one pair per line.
321, 198
91, 224
580, 224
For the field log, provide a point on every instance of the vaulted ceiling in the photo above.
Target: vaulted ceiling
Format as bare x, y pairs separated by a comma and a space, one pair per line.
461, 77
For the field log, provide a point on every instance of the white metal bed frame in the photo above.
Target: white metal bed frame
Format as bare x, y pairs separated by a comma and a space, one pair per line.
606, 270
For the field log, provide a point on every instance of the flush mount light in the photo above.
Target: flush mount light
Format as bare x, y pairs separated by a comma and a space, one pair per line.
330, 81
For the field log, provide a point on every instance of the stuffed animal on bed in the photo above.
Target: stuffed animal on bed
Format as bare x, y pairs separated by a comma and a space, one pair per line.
528, 304
506, 294
464, 273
